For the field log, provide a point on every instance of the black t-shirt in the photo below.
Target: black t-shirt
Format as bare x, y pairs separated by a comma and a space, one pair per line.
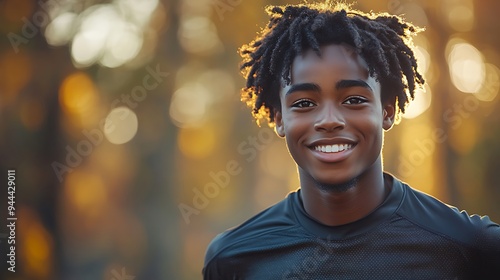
411, 235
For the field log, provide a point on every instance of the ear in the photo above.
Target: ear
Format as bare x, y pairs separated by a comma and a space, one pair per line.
280, 127
389, 112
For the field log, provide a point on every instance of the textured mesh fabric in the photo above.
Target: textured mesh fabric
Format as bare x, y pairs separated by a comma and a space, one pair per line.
411, 235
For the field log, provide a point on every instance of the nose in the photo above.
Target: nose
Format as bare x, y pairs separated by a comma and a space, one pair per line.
329, 119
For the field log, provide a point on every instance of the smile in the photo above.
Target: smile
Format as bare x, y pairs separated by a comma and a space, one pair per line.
336, 148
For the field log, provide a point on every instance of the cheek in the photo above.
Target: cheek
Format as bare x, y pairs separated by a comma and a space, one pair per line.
370, 125
296, 130
296, 124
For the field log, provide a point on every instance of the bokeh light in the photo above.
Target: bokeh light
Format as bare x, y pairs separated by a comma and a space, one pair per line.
201, 95
111, 34
122, 46
189, 105
420, 104
461, 15
121, 125
86, 192
423, 59
197, 142
491, 85
115, 209
466, 64
79, 98
35, 244
60, 31
139, 11
198, 34
423, 96
105, 36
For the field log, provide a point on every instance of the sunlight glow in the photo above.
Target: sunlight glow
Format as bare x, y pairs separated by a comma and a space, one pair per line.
461, 17
464, 145
420, 104
423, 59
491, 85
467, 69
423, 96
416, 157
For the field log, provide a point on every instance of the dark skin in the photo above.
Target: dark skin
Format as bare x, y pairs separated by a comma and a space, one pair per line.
333, 120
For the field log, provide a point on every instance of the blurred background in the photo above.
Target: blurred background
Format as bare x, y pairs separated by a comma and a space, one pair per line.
132, 149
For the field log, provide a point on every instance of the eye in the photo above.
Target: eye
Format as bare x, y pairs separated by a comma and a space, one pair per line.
355, 100
303, 103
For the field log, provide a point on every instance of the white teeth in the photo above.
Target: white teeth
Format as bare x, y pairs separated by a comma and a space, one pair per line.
333, 148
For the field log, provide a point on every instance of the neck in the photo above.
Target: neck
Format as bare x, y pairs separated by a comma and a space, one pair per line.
335, 205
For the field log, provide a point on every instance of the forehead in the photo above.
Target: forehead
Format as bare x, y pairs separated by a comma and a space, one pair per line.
336, 59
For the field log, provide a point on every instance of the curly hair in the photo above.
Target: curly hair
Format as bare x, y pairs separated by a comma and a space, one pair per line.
384, 41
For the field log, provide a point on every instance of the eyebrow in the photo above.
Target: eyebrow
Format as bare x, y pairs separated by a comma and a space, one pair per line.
342, 84
352, 83
303, 87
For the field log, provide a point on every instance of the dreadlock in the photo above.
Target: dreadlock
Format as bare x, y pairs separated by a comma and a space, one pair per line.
384, 41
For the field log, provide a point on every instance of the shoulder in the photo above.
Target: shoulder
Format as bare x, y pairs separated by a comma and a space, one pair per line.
265, 225
470, 230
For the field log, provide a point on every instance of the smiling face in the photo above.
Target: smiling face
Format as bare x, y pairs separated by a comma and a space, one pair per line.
332, 117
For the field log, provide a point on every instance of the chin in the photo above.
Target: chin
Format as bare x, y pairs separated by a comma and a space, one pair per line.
337, 185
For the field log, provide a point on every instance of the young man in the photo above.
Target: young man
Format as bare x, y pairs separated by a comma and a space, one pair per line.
332, 80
